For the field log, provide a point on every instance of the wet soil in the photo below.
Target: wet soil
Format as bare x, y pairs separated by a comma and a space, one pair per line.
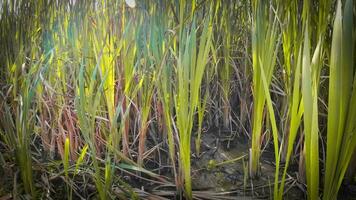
209, 171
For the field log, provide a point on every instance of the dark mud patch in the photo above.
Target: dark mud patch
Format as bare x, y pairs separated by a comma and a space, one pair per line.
222, 167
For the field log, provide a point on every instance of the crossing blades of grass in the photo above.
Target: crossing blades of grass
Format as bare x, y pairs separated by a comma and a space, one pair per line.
274, 129
296, 113
87, 106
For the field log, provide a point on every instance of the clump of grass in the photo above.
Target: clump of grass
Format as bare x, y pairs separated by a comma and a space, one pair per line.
190, 70
264, 52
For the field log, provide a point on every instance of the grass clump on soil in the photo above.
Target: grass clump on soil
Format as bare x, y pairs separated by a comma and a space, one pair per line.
197, 99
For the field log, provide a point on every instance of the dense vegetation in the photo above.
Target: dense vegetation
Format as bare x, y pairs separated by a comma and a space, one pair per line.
112, 99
